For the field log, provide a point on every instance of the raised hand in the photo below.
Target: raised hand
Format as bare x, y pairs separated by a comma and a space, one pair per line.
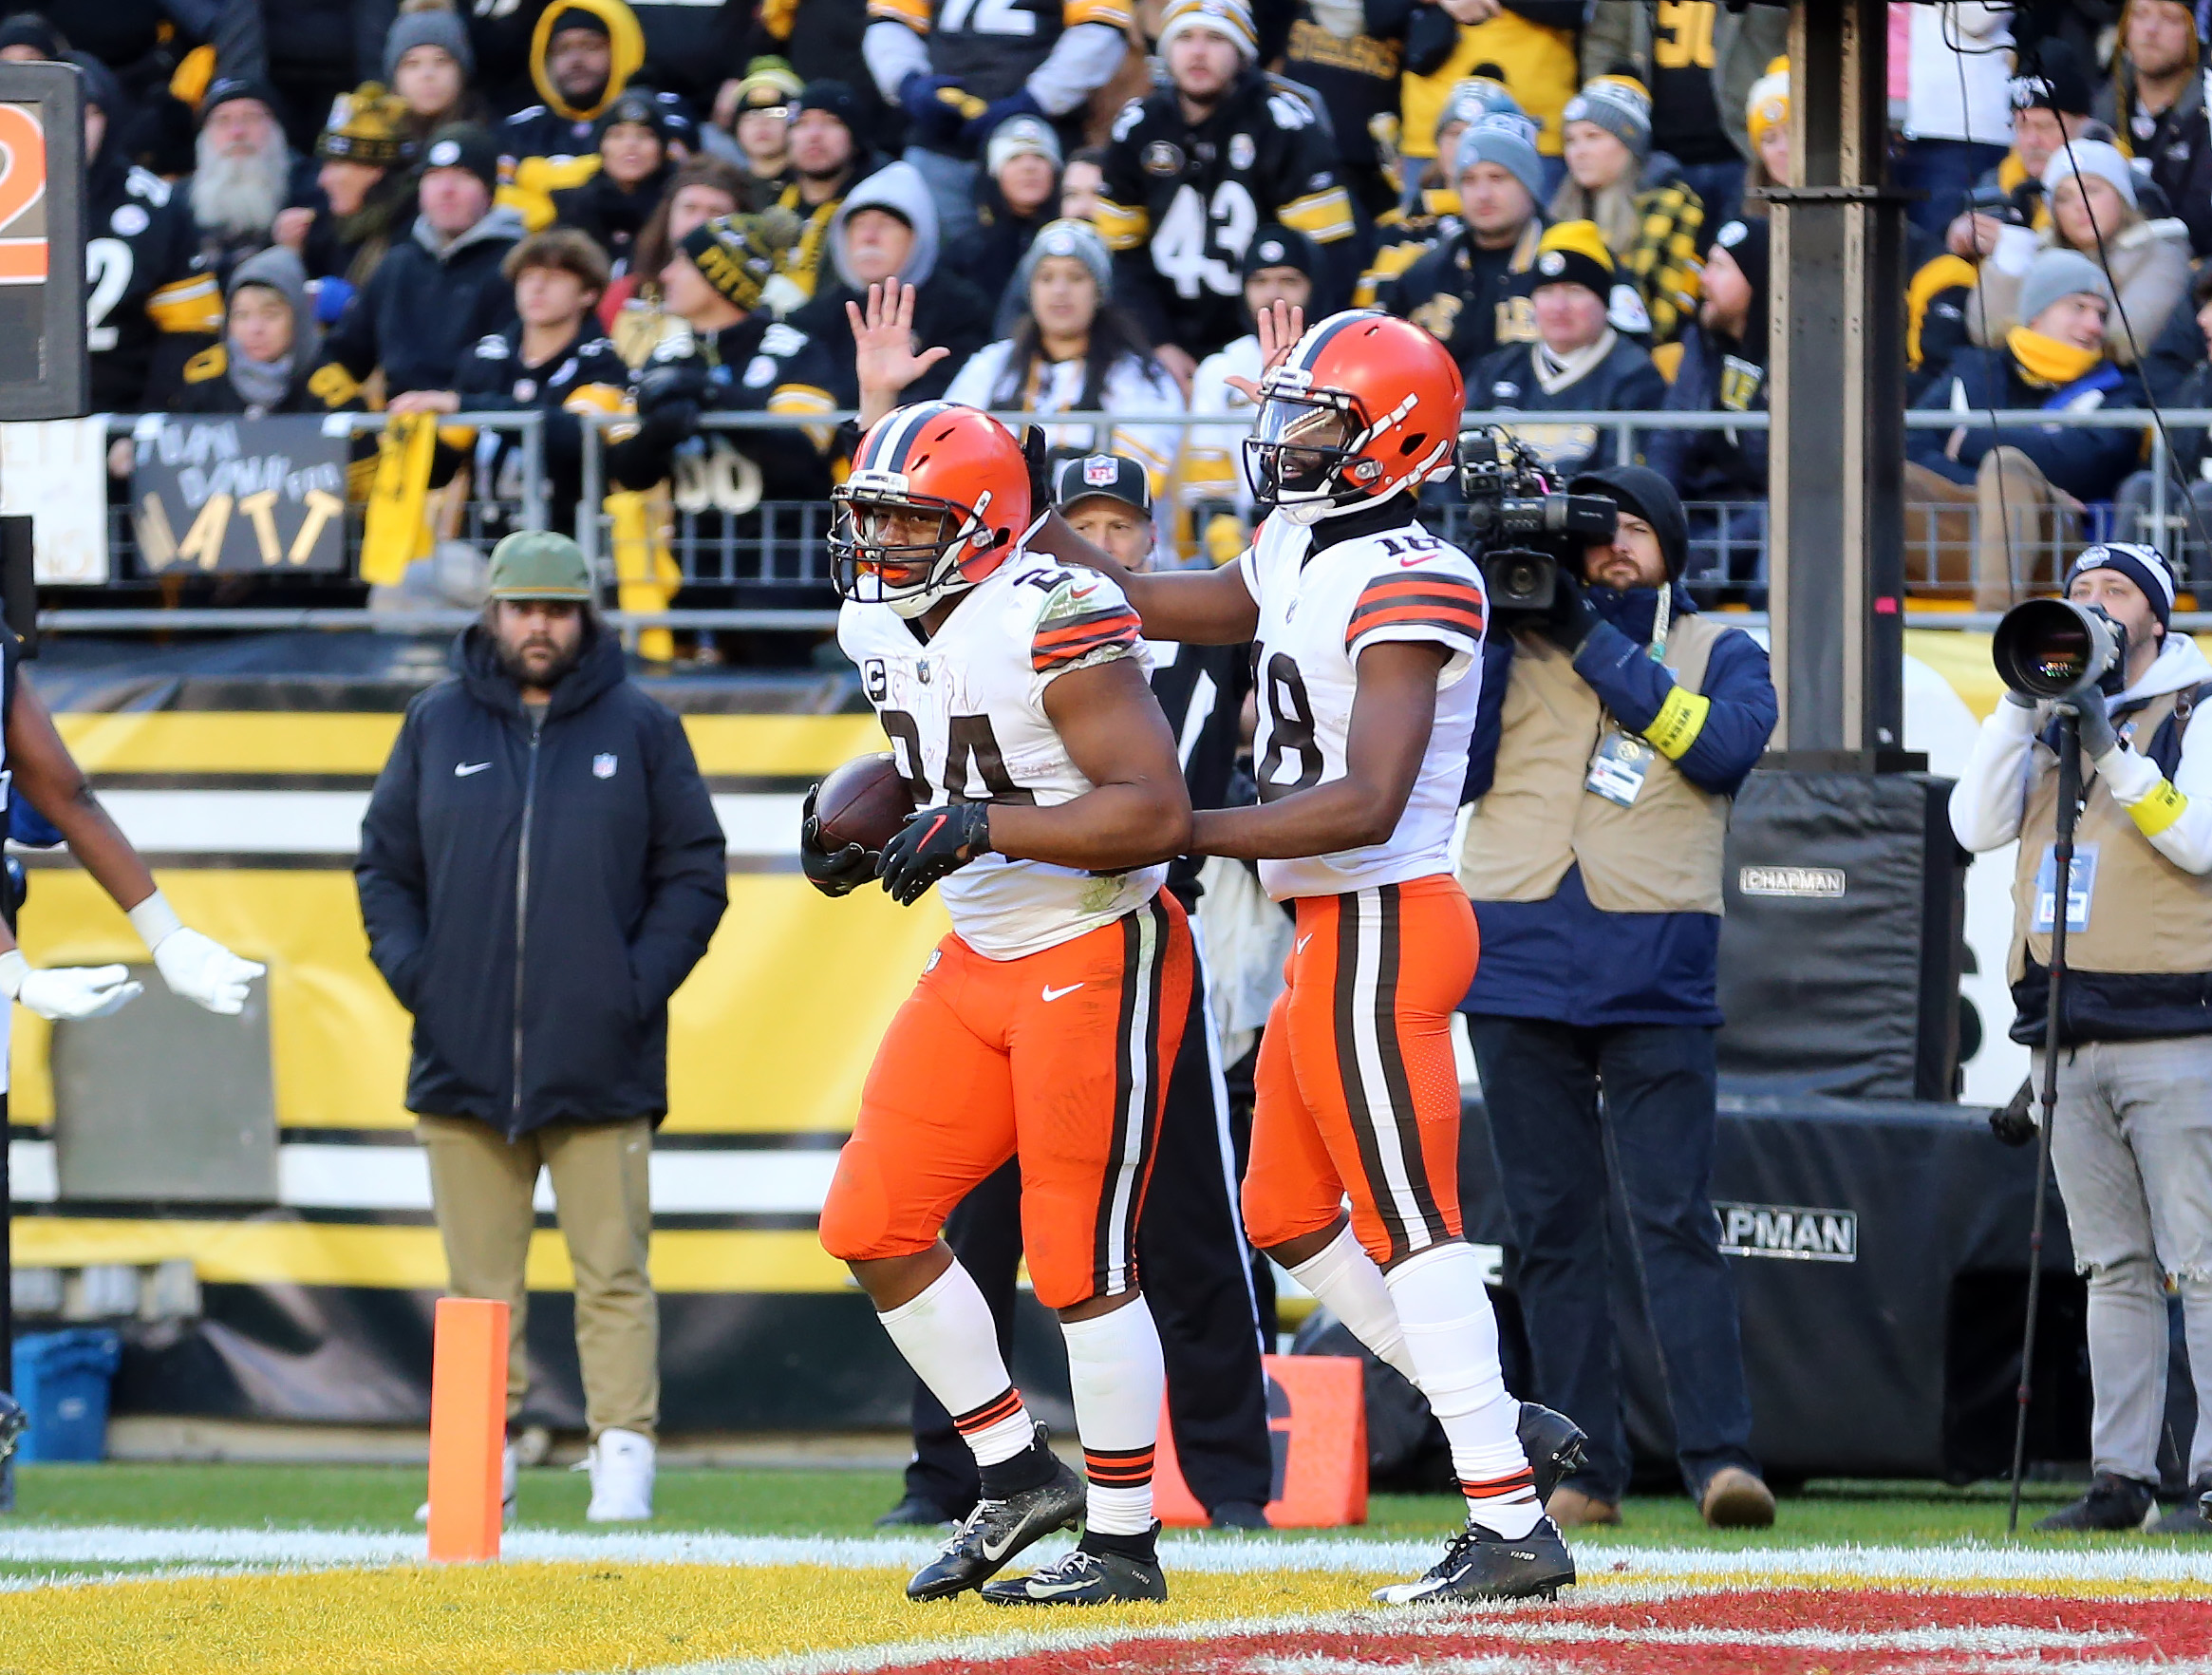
1279, 325
885, 359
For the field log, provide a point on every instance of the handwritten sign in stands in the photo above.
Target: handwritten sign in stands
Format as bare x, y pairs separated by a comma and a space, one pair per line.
229, 494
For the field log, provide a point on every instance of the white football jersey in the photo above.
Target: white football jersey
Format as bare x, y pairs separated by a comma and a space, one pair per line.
1315, 616
964, 713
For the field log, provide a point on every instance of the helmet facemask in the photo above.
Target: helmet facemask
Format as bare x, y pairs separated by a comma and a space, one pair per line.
889, 546
1305, 458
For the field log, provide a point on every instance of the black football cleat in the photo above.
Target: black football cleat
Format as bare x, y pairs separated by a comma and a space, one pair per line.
1083, 1578
995, 1532
1480, 1565
1555, 1445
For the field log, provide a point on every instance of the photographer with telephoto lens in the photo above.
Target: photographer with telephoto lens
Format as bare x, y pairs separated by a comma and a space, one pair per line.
2132, 1133
1615, 725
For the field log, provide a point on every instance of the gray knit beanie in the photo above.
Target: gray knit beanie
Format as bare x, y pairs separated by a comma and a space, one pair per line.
1067, 238
1619, 103
1504, 140
2059, 272
434, 26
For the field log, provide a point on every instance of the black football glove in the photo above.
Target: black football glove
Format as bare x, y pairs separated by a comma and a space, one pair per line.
679, 383
1568, 621
832, 872
2012, 1122
934, 841
1038, 454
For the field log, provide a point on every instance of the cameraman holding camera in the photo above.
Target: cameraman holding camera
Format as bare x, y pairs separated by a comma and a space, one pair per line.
1613, 730
2132, 1139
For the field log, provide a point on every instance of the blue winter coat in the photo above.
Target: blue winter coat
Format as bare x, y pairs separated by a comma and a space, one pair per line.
2088, 462
1564, 960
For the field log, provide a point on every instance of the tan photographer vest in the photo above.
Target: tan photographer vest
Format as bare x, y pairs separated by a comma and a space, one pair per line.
2146, 913
1661, 855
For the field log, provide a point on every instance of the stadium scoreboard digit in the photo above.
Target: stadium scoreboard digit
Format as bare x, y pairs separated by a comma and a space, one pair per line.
42, 372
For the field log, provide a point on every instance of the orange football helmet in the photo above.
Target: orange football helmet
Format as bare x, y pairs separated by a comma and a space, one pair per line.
1365, 406
933, 460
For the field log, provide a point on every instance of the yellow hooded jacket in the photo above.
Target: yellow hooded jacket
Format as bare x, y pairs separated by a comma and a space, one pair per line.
547, 148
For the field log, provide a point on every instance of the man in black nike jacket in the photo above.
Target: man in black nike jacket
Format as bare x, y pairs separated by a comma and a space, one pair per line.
540, 869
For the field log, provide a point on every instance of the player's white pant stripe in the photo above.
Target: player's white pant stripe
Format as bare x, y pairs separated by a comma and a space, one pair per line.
1136, 1116
1369, 1010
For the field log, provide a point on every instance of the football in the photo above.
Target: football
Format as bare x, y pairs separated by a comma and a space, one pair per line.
864, 802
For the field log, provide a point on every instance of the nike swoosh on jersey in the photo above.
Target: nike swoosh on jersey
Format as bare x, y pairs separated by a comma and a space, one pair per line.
1052, 994
462, 769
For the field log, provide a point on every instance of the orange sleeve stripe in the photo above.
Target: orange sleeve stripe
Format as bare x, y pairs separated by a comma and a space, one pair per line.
1446, 622
1084, 627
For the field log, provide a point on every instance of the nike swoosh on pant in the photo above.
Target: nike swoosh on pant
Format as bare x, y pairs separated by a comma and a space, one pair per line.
1052, 994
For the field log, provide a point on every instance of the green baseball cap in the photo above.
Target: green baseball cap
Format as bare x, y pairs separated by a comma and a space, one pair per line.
539, 564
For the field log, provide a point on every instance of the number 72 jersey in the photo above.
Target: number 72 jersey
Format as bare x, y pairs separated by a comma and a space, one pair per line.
964, 713
1319, 610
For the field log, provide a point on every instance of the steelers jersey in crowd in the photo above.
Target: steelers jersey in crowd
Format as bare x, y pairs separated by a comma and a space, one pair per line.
992, 47
1470, 300
145, 293
1350, 55
1182, 201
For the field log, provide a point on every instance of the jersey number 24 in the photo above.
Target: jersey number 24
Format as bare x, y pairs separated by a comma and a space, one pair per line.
969, 743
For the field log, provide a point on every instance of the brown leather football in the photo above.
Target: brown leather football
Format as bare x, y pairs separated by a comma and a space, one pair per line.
864, 802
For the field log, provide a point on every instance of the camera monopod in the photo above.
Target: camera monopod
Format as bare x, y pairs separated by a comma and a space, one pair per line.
2054, 650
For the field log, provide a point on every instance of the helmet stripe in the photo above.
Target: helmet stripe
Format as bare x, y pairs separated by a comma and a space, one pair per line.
915, 420
1318, 338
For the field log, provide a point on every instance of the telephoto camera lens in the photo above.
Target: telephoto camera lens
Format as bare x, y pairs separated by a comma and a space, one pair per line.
2053, 647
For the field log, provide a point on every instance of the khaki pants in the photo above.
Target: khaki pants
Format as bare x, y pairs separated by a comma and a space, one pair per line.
480, 1184
2012, 546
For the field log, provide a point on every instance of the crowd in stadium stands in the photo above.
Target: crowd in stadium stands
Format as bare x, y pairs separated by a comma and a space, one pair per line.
660, 210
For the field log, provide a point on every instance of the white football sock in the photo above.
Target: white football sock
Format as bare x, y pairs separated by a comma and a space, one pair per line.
1350, 1286
1118, 1381
1453, 1338
948, 1338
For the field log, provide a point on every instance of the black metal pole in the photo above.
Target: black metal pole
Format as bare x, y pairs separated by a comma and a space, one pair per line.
2061, 889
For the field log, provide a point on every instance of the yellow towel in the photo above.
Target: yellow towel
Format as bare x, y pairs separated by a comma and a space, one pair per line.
398, 531
645, 574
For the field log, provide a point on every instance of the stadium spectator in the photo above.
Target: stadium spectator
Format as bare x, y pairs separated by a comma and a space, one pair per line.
2050, 103
2155, 100
1767, 124
1410, 231
1280, 266
1016, 194
1533, 43
1352, 56
1652, 222
1073, 351
428, 61
270, 344
368, 191
821, 40
614, 202
2128, 1136
2187, 531
436, 291
886, 233
1699, 58
554, 359
705, 189
1193, 170
1578, 361
2029, 483
762, 108
2091, 194
828, 158
1465, 290
583, 55
959, 70
148, 297
1958, 107
538, 952
1082, 182
1602, 775
246, 176
1719, 366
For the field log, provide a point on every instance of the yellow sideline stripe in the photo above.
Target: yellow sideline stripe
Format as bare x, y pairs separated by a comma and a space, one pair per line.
533, 1619
313, 1253
219, 741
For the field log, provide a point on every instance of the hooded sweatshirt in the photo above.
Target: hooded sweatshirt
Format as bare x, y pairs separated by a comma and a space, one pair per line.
222, 380
425, 305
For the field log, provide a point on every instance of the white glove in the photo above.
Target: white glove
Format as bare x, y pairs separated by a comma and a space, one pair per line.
197, 966
70, 994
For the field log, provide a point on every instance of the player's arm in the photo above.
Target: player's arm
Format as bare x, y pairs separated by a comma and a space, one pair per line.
194, 966
1394, 710
1193, 607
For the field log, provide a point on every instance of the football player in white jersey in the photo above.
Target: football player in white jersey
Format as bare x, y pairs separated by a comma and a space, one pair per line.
1369, 637
1049, 794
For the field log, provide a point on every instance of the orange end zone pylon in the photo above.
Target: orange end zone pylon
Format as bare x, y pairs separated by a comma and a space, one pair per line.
468, 1428
1317, 1421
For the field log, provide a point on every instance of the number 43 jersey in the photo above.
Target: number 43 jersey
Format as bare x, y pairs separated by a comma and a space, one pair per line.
1319, 610
965, 712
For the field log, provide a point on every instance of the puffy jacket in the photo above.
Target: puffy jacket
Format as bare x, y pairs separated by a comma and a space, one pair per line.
2086, 462
1709, 373
1564, 959
418, 315
590, 930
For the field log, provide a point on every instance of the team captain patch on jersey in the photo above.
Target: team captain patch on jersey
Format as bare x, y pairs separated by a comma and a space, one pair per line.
1315, 620
966, 717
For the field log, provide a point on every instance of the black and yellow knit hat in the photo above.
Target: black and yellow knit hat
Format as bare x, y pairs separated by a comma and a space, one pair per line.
366, 127
737, 254
1571, 253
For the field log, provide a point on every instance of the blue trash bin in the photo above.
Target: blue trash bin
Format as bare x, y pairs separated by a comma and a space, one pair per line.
62, 1380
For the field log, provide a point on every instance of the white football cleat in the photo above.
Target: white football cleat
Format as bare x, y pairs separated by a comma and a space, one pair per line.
506, 1490
621, 1464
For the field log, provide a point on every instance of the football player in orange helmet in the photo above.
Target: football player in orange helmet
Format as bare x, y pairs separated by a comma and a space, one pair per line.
1368, 636
1049, 791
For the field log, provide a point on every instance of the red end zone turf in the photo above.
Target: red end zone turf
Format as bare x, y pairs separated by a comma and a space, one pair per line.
1786, 1632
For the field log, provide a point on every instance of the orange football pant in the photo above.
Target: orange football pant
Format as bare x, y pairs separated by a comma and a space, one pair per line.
1060, 1058
1355, 1093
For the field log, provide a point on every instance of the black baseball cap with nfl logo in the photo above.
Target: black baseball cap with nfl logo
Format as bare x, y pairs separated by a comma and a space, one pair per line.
1112, 475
